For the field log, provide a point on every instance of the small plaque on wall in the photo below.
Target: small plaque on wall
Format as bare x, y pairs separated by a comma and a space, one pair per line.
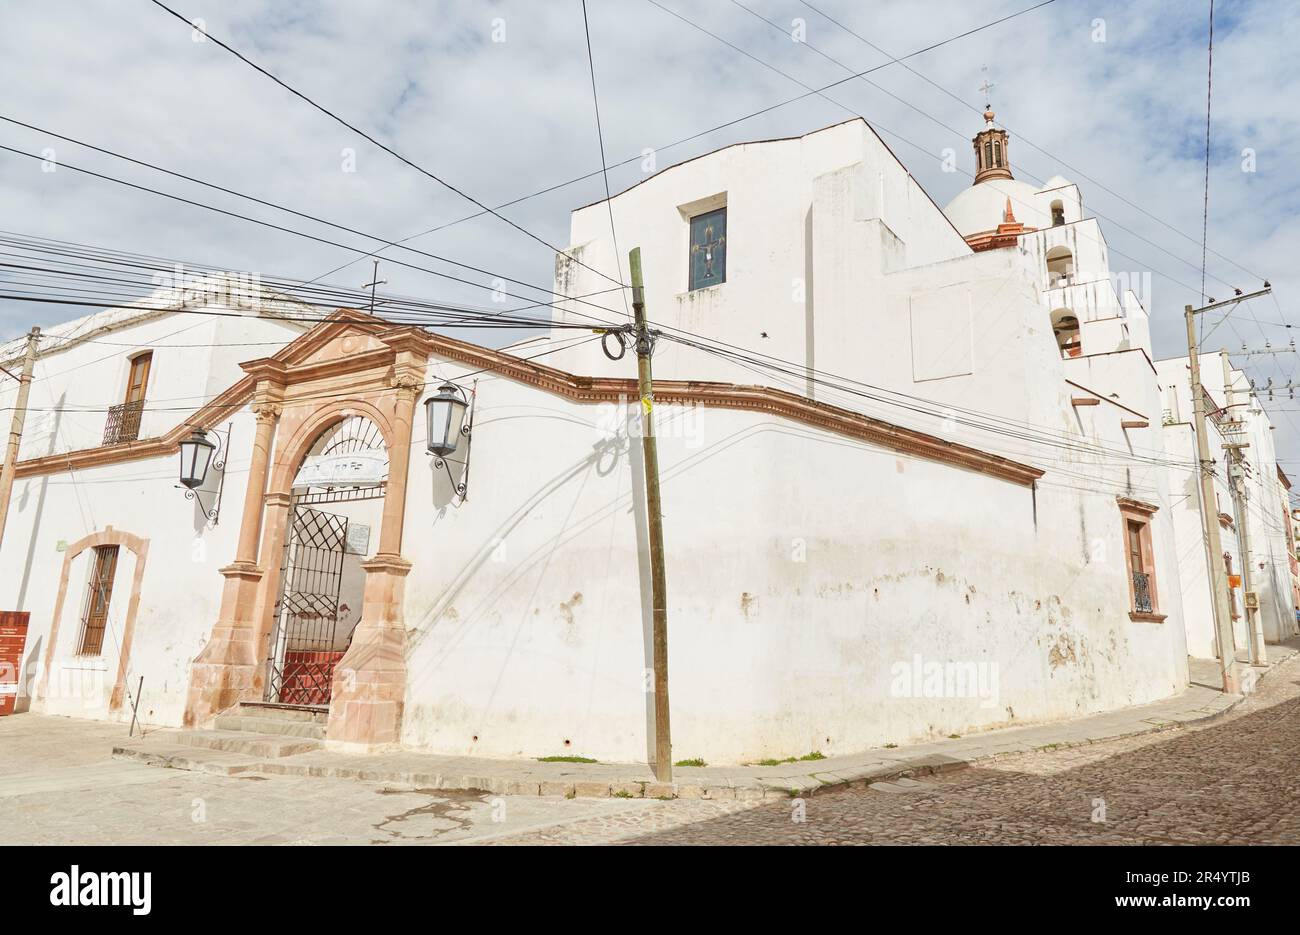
358, 541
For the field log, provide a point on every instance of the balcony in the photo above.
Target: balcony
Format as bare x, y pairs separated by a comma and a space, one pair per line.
123, 423
1142, 593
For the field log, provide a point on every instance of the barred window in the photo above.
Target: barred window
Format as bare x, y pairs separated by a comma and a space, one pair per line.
99, 593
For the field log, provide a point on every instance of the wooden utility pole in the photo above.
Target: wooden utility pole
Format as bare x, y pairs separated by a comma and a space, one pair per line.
16, 428
1210, 504
658, 584
1210, 521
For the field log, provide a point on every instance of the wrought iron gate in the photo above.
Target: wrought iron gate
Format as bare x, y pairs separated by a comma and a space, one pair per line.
300, 664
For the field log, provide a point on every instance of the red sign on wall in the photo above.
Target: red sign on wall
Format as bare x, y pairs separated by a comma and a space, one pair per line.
13, 639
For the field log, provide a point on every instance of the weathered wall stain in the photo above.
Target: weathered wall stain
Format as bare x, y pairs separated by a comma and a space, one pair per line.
566, 607
1062, 652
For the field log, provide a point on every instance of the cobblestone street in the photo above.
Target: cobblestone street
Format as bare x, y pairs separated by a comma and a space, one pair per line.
1230, 780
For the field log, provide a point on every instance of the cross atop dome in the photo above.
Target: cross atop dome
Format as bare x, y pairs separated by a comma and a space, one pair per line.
986, 87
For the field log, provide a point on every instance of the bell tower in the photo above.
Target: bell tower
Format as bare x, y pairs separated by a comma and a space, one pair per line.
991, 152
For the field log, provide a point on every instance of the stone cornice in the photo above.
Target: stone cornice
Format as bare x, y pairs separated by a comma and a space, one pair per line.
734, 396
580, 389
1136, 506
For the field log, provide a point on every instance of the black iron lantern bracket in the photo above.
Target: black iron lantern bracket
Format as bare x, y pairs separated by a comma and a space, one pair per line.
213, 513
439, 461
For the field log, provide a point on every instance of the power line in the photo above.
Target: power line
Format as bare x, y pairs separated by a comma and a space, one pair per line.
955, 414
287, 210
600, 138
428, 314
287, 230
1209, 88
314, 294
364, 135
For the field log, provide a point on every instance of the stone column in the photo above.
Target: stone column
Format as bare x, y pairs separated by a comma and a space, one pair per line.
225, 671
369, 690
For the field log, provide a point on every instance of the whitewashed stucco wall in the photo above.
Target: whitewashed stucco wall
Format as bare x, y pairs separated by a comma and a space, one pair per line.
790, 206
802, 568
180, 590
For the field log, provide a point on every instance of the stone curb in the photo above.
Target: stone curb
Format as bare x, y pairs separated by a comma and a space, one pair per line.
748, 789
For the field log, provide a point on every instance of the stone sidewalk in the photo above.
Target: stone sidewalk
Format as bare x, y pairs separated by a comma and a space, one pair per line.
1199, 702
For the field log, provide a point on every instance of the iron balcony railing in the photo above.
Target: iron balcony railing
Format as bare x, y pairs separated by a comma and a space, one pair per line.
123, 423
1142, 593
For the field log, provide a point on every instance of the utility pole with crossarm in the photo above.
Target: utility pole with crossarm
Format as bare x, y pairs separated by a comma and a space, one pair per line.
1209, 502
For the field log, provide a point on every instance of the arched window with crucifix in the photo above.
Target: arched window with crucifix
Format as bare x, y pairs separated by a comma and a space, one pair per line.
708, 249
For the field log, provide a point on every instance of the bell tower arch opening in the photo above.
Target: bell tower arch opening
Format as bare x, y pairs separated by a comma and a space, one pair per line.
1060, 266
1065, 325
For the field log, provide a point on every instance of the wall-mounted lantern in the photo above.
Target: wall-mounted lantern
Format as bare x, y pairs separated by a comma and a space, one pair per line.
445, 415
197, 455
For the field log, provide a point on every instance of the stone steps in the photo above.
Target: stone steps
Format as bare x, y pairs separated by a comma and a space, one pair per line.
270, 725
282, 720
245, 738
247, 743
281, 712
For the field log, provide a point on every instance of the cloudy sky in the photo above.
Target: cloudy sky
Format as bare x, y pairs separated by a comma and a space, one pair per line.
495, 97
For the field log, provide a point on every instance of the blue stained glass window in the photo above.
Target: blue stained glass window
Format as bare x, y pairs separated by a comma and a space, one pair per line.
709, 249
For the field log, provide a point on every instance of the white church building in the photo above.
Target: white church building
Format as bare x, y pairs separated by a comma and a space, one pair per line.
914, 469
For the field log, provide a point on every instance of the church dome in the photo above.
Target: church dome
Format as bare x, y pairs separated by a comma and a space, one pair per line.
981, 207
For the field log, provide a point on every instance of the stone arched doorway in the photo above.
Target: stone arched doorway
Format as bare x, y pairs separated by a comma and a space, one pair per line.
336, 502
339, 371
